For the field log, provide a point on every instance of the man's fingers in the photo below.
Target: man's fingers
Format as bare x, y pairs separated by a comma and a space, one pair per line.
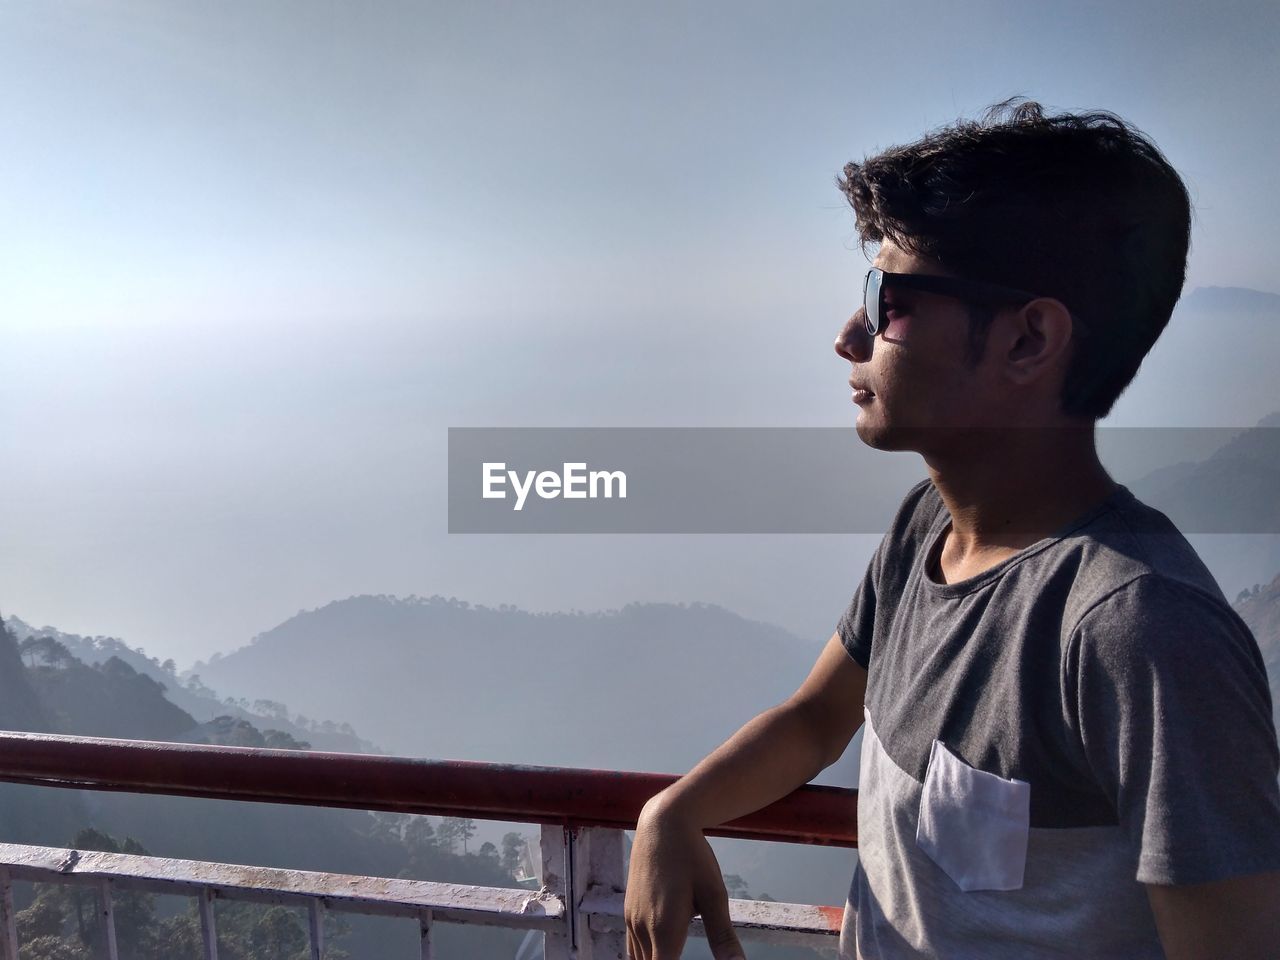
641, 944
721, 937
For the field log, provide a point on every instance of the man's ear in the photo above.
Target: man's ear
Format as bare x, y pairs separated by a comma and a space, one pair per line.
1035, 339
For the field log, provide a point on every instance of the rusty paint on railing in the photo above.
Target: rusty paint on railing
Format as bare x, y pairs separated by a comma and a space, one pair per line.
549, 795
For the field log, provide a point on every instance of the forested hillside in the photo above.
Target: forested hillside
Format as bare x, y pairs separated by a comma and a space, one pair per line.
193, 696
43, 816
44, 687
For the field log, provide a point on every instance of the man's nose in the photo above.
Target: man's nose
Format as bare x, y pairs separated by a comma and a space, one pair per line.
854, 343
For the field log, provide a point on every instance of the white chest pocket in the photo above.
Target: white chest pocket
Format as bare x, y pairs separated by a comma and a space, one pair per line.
974, 824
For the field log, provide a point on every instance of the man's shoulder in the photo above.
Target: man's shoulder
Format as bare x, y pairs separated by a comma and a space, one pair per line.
1155, 618
1133, 556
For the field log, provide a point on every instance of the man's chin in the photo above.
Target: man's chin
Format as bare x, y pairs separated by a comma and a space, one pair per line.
880, 436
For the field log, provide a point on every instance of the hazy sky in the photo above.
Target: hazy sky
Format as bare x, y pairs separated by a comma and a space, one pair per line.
256, 258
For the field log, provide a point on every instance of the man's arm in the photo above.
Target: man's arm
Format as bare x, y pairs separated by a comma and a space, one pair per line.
673, 873
1174, 714
1237, 919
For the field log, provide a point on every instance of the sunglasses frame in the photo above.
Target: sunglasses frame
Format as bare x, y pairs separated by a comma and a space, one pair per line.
974, 291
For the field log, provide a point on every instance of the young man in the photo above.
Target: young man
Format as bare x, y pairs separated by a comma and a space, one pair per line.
1069, 749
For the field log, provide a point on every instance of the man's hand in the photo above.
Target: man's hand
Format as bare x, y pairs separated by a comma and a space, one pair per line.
673, 875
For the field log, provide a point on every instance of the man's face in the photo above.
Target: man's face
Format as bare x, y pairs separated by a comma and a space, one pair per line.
923, 391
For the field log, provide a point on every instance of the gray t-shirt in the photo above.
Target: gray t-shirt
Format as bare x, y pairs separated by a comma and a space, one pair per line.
1043, 738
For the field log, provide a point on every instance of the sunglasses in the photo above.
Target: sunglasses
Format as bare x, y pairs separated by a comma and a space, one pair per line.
877, 281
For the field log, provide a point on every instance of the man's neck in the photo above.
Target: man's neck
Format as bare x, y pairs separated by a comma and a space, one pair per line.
1019, 487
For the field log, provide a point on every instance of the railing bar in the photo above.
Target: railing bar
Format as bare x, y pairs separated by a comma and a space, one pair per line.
8, 921
315, 912
110, 951
600, 907
208, 925
424, 933
451, 903
797, 924
569, 797
479, 916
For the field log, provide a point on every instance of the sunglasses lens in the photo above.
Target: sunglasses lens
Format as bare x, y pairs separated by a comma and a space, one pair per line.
871, 300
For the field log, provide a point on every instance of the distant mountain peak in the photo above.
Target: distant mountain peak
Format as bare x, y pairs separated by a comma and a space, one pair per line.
1232, 298
362, 605
443, 677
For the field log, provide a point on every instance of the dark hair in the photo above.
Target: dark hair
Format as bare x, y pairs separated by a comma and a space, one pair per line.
1080, 207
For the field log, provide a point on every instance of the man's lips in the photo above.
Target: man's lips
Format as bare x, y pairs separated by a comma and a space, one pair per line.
860, 393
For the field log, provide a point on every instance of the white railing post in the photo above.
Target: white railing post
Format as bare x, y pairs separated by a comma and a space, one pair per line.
556, 863
599, 882
315, 914
8, 919
208, 926
424, 932
108, 911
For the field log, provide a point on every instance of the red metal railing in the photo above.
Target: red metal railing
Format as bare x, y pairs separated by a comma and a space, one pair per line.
562, 796
578, 910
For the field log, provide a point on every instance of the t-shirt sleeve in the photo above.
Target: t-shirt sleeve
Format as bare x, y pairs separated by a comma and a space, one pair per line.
857, 625
1173, 712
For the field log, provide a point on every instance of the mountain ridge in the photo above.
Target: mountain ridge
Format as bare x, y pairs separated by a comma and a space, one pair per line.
550, 662
1231, 298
